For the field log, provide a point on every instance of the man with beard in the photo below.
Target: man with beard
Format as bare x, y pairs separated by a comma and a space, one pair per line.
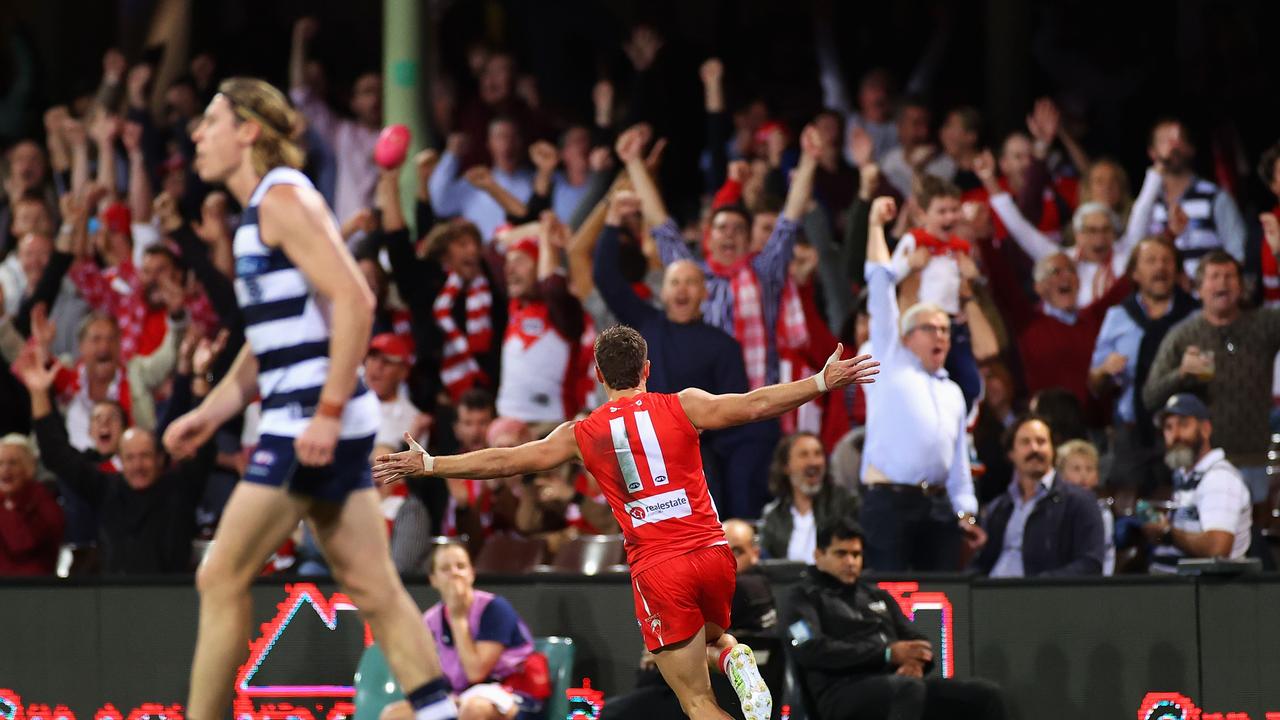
1043, 526
1213, 515
1127, 343
805, 499
1197, 215
1224, 354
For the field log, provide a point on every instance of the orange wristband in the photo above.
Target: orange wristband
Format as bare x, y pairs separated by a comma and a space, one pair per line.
329, 409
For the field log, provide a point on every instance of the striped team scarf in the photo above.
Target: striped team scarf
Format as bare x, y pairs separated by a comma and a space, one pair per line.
748, 317
459, 370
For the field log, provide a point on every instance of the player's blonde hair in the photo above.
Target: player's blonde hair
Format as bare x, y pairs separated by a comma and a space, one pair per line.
259, 102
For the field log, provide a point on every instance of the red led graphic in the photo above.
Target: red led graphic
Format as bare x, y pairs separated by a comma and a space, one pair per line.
910, 599
296, 595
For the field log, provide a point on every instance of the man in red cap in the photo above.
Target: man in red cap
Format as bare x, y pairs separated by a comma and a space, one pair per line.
385, 369
541, 358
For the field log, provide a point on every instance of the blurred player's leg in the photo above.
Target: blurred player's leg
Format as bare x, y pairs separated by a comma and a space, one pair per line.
256, 520
354, 539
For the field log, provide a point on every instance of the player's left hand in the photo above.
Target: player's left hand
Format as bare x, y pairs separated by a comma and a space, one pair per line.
858, 370
397, 466
316, 444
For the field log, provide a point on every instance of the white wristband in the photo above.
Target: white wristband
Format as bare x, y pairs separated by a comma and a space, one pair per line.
428, 463
821, 378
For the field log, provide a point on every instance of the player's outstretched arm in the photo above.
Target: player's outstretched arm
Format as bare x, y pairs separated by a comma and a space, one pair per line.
711, 412
555, 449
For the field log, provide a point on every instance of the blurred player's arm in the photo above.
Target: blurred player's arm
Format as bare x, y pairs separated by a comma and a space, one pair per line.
711, 412
555, 449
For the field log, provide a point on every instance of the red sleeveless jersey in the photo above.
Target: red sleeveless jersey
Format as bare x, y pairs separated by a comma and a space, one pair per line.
644, 454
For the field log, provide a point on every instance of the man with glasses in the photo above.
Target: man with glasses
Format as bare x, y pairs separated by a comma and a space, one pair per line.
1224, 354
918, 502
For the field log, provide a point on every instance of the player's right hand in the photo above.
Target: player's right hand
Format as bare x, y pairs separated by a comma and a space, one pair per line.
413, 462
858, 370
186, 434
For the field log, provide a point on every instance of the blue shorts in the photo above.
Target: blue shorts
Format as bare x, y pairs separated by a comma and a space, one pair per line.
275, 463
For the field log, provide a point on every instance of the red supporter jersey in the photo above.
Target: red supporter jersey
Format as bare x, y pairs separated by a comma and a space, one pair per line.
644, 454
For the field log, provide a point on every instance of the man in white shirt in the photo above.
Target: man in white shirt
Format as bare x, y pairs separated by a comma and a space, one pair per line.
1213, 517
919, 501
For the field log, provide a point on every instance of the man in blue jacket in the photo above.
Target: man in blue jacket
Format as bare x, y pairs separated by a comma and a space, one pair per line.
1042, 526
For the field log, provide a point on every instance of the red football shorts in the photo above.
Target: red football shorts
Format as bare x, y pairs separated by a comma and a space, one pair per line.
675, 598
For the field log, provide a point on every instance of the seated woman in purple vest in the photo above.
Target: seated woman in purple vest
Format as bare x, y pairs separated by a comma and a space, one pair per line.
486, 650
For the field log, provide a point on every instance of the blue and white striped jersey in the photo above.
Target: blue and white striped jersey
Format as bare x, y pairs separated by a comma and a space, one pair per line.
288, 329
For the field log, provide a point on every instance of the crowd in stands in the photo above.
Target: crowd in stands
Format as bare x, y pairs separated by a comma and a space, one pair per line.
1077, 362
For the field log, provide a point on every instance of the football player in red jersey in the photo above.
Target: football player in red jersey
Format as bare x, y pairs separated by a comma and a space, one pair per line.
642, 448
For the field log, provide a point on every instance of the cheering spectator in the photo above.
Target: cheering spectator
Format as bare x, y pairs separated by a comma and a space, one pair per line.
1054, 337
1043, 526
1224, 353
913, 153
30, 520
1100, 258
496, 98
352, 141
146, 515
385, 369
1213, 515
1127, 342
958, 137
1077, 464
23, 185
805, 499
1197, 215
931, 254
484, 195
918, 481
543, 368
743, 290
874, 114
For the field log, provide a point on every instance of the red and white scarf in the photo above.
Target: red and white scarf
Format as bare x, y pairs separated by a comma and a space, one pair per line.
748, 317
793, 339
458, 369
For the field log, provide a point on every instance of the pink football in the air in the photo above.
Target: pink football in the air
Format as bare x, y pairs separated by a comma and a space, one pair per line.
392, 145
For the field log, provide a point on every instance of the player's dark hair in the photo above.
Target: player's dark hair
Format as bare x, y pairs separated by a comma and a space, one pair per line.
931, 188
620, 355
841, 527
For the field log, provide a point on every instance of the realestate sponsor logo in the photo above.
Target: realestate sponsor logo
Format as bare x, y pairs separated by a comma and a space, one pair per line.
656, 508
